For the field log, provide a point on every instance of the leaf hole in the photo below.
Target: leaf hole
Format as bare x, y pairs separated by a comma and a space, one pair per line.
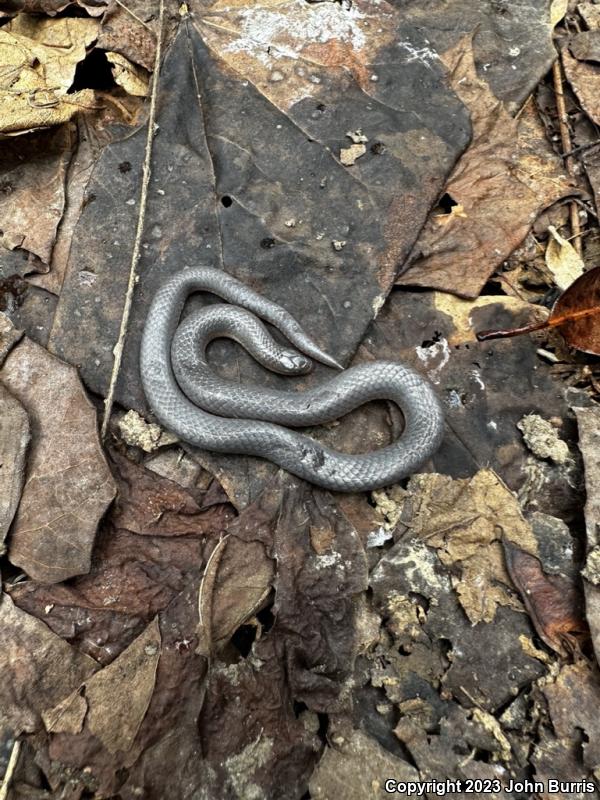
243, 639
93, 73
226, 201
447, 203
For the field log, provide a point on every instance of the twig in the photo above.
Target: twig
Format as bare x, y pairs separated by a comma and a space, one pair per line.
565, 138
135, 255
581, 149
10, 768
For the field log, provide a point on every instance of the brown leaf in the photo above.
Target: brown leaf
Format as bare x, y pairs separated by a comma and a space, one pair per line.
33, 189
40, 56
584, 78
133, 575
151, 505
588, 422
553, 602
38, 668
14, 438
356, 768
504, 179
573, 699
465, 521
577, 313
69, 485
124, 33
117, 697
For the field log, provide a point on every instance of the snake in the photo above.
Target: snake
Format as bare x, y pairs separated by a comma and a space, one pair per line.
220, 415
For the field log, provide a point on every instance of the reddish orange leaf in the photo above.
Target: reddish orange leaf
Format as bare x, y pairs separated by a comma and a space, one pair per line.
576, 313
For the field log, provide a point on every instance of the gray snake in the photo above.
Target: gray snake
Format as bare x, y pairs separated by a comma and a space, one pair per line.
177, 380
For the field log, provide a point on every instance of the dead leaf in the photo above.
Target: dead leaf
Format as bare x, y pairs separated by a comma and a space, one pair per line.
32, 199
14, 439
150, 505
542, 438
117, 697
466, 521
588, 422
42, 668
558, 9
504, 179
584, 77
573, 699
123, 32
355, 767
129, 76
134, 576
563, 261
577, 313
39, 57
553, 602
69, 485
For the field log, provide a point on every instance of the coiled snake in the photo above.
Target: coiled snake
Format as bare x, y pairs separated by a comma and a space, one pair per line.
217, 414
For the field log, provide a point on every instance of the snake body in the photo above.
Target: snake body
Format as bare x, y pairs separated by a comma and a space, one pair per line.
216, 414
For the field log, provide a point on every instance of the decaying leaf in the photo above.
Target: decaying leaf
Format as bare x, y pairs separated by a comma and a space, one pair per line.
504, 179
584, 77
466, 521
34, 168
117, 697
41, 665
356, 766
123, 31
563, 261
573, 699
14, 438
69, 485
588, 422
132, 78
134, 575
554, 602
154, 506
39, 57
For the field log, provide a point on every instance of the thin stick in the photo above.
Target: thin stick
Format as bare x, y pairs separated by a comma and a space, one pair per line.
10, 768
565, 138
135, 255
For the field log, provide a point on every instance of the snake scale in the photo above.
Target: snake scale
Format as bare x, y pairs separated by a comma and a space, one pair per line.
217, 414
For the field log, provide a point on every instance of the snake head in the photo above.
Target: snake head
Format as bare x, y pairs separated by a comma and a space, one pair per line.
295, 363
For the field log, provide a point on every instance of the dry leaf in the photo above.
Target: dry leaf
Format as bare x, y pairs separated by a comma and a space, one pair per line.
588, 423
39, 57
14, 438
117, 697
69, 485
503, 180
553, 602
39, 667
584, 77
563, 261
558, 9
466, 521
129, 76
355, 767
33, 195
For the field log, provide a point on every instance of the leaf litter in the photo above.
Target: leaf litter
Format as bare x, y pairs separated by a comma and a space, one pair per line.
184, 625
